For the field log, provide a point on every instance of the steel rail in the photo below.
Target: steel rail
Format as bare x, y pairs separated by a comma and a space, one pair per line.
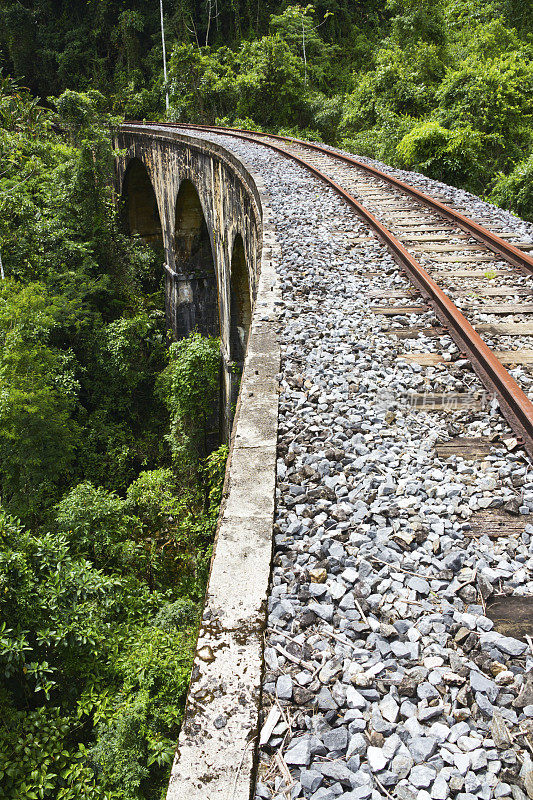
515, 405
486, 237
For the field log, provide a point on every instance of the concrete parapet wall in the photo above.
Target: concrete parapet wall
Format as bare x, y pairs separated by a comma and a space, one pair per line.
217, 746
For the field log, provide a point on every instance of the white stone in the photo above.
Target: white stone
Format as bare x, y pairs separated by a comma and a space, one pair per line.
355, 699
376, 759
389, 708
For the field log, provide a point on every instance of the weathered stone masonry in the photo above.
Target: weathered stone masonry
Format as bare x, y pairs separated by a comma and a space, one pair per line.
207, 215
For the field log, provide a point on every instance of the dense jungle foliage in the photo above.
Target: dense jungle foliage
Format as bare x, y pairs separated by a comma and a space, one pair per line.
440, 86
108, 502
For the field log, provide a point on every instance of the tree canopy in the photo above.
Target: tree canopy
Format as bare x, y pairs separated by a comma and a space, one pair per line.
441, 86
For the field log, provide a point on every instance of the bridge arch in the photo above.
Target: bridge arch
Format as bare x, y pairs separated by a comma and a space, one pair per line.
194, 260
140, 208
195, 198
240, 301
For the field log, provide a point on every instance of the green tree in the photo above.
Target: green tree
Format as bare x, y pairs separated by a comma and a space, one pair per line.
95, 524
271, 82
189, 387
297, 27
493, 95
38, 434
56, 606
202, 84
415, 21
515, 191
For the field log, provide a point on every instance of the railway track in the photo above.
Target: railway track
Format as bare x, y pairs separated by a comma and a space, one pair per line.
395, 655
476, 282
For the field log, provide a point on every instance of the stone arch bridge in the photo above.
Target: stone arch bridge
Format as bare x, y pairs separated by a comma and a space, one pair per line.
207, 215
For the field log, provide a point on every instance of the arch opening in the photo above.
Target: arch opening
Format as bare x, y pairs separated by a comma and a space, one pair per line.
194, 260
140, 211
241, 306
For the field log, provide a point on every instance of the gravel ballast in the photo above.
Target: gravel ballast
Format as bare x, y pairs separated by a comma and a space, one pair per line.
384, 676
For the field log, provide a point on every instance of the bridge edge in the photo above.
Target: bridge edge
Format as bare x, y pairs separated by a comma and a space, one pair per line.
217, 747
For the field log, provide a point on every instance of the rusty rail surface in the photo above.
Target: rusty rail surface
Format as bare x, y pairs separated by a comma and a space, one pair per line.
515, 405
486, 237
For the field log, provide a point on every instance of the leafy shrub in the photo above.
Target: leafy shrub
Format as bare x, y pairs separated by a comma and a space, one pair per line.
36, 759
135, 744
173, 616
154, 497
453, 156
515, 191
56, 606
94, 522
189, 388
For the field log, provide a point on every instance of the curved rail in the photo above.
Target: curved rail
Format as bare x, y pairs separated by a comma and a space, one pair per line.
489, 239
515, 405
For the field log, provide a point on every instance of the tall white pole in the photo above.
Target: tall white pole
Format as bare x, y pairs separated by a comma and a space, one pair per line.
164, 53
